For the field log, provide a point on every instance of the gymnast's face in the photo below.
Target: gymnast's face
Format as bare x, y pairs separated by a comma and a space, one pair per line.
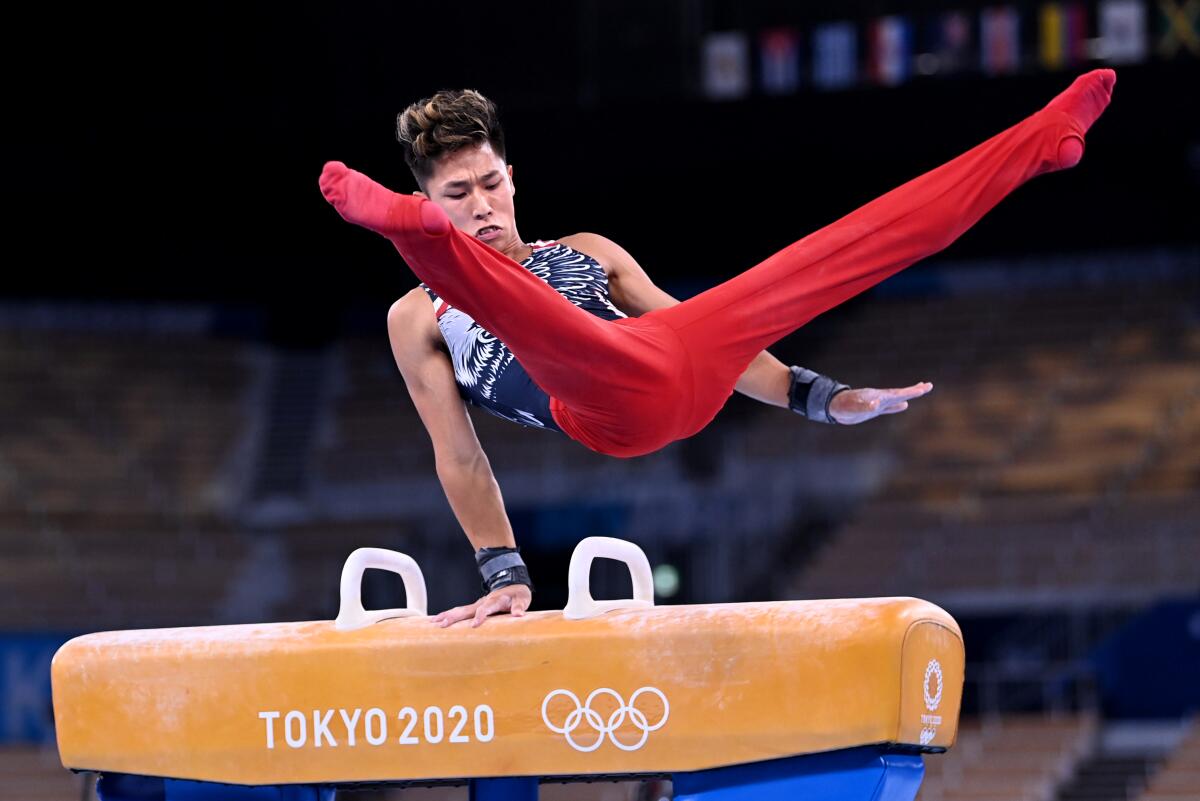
475, 188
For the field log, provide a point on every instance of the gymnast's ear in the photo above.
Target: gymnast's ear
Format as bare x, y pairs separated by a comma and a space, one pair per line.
511, 185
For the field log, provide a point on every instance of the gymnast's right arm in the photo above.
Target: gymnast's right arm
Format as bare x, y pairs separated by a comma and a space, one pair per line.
462, 466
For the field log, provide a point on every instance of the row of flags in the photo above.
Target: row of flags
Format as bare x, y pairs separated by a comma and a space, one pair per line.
999, 40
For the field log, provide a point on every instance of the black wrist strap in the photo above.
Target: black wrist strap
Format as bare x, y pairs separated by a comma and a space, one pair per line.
810, 393
501, 567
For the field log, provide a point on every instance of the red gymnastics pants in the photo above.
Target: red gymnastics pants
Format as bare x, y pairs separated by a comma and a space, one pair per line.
629, 387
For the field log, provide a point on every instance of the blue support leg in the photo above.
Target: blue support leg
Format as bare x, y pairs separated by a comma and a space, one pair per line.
123, 787
856, 774
524, 788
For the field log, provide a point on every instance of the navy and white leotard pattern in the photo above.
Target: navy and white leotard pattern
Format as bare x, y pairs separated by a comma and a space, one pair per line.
485, 370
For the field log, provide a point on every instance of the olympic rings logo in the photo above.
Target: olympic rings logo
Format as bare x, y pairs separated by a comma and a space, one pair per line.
584, 714
933, 670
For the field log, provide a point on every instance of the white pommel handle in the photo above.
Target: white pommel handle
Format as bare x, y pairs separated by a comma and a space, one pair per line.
352, 615
580, 604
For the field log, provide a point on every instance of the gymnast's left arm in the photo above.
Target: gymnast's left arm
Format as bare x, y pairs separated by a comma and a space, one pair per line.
766, 379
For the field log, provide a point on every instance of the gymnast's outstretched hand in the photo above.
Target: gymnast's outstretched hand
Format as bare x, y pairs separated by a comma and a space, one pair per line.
515, 599
859, 405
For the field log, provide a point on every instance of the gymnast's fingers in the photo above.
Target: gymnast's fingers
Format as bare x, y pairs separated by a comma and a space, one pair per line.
452, 616
490, 606
520, 602
908, 393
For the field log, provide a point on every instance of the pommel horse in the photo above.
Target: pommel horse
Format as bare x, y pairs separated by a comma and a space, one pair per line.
831, 699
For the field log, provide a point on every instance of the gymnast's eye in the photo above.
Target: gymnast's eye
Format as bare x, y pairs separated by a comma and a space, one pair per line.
493, 186
459, 196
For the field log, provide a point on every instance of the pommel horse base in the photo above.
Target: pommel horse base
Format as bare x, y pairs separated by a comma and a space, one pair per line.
801, 699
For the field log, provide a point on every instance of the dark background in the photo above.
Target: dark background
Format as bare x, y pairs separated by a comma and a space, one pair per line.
174, 155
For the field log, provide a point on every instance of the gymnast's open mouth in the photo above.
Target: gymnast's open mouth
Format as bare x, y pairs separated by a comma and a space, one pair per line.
488, 232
